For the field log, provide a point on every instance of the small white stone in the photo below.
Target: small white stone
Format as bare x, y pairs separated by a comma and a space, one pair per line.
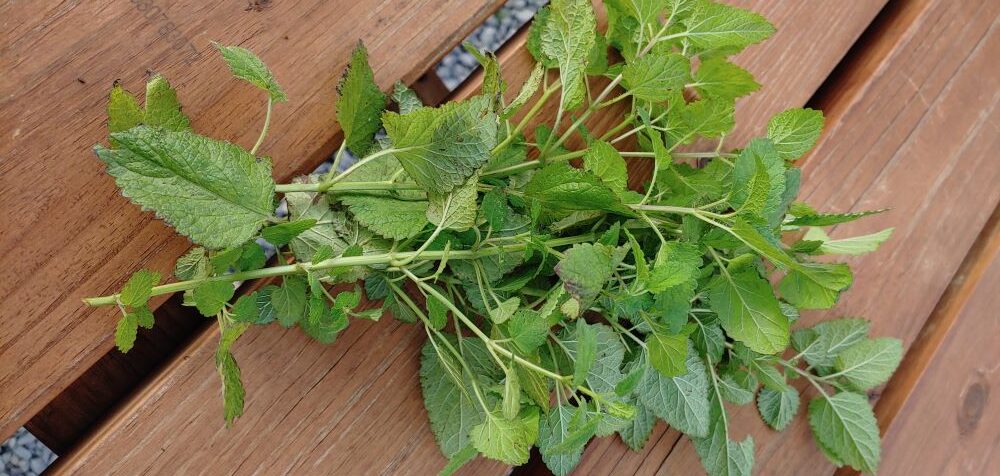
524, 15
37, 465
469, 60
22, 452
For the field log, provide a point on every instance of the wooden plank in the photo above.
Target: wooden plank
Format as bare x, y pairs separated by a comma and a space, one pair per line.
916, 136
67, 233
139, 434
951, 393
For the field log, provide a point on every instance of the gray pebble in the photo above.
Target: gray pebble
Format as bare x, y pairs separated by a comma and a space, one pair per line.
524, 15
468, 60
38, 465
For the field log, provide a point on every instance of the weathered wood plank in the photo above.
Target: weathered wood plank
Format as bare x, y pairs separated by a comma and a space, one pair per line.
949, 380
67, 233
917, 135
320, 428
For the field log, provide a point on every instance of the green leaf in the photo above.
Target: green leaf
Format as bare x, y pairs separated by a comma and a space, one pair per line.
251, 257
821, 344
459, 459
505, 310
564, 433
561, 187
855, 245
717, 77
124, 111
707, 117
869, 363
637, 432
583, 351
440, 148
248, 67
654, 76
245, 309
437, 312
281, 234
604, 161
585, 269
289, 301
144, 317
528, 90
759, 181
493, 85
527, 330
233, 393
534, 41
568, 35
451, 405
778, 408
360, 103
681, 401
675, 263
815, 285
795, 131
139, 288
535, 386
748, 310
737, 385
126, 331
603, 372
709, 340
328, 324
668, 352
162, 108
828, 219
844, 425
494, 208
211, 297
508, 441
714, 25
719, 455
408, 217
455, 210
213, 192
405, 98
765, 245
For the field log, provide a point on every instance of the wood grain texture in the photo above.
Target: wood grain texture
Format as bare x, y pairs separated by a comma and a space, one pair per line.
189, 387
916, 136
955, 395
66, 232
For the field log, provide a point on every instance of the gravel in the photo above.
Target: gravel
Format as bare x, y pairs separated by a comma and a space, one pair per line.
459, 64
23, 455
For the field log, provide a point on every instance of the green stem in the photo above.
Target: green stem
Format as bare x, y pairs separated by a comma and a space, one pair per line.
808, 377
365, 260
357, 165
267, 125
535, 109
479, 333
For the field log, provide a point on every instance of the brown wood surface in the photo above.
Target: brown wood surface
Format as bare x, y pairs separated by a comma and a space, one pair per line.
917, 135
948, 424
318, 409
66, 232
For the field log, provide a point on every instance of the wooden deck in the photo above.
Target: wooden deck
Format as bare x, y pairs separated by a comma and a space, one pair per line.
910, 89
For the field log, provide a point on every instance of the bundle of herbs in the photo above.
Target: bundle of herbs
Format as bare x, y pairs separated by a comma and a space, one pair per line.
558, 303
